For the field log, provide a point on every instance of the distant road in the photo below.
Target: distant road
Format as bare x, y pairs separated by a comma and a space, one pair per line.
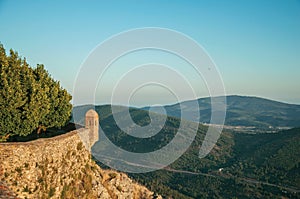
190, 172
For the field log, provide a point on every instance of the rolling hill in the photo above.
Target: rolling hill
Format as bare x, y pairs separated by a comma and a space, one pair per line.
242, 111
240, 165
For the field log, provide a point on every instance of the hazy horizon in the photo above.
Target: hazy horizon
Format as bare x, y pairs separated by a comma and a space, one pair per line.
172, 103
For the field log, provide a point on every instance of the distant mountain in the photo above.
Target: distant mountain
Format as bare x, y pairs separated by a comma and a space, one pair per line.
241, 111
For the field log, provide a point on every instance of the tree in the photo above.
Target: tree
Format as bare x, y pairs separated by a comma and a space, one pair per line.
30, 99
38, 103
12, 95
60, 108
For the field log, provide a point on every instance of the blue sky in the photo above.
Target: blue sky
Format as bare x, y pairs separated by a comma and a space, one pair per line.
255, 44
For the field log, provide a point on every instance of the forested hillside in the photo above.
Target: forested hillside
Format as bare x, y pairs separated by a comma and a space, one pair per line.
240, 165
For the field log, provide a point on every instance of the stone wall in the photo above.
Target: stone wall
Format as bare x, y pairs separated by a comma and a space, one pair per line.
61, 167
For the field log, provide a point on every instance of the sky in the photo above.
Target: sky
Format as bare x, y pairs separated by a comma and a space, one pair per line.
254, 44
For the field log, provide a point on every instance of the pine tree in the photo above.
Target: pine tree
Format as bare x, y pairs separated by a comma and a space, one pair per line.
60, 108
37, 106
4, 116
12, 98
30, 99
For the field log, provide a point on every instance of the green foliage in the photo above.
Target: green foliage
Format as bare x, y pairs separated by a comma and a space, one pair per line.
63, 194
26, 165
18, 169
112, 175
30, 99
40, 180
26, 189
271, 158
80, 183
51, 192
119, 187
79, 146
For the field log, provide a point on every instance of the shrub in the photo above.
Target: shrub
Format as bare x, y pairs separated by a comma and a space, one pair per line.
51, 192
119, 188
26, 189
64, 192
79, 146
40, 180
87, 183
18, 169
112, 175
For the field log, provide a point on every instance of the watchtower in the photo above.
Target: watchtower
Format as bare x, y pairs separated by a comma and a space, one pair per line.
92, 123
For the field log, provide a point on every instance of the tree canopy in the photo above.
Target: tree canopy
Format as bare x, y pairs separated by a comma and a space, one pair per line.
30, 99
